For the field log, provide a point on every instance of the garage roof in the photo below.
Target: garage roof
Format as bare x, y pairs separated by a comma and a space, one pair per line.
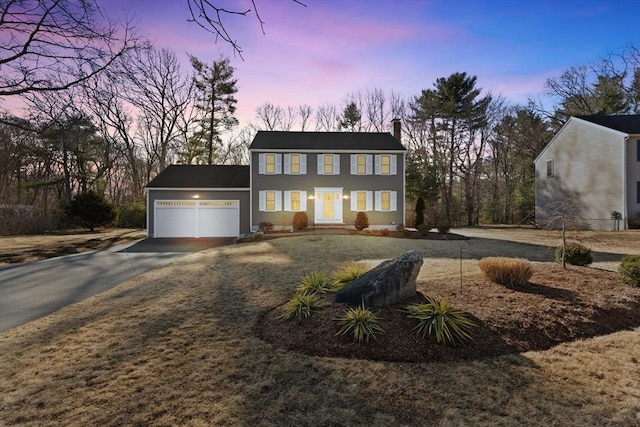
202, 176
325, 141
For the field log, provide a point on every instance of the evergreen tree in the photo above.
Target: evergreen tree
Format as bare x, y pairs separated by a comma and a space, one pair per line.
90, 210
351, 118
215, 88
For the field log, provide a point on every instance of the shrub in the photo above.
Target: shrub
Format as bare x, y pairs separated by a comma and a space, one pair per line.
258, 235
420, 207
302, 305
575, 254
400, 228
441, 320
361, 322
629, 270
384, 232
90, 210
423, 229
133, 216
362, 221
265, 227
348, 274
506, 271
443, 228
300, 221
316, 282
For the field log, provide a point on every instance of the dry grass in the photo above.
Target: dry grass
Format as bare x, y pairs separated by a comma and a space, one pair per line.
506, 271
21, 249
176, 346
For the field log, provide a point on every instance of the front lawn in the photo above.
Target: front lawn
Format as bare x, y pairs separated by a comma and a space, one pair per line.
179, 346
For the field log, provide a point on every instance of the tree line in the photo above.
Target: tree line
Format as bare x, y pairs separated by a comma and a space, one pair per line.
116, 114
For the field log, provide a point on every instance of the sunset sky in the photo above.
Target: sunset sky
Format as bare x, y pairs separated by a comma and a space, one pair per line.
320, 53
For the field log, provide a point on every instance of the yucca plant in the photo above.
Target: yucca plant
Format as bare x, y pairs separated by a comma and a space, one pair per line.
317, 281
439, 319
347, 274
301, 305
361, 322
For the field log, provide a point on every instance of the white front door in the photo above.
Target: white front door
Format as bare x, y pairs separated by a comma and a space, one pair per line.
328, 205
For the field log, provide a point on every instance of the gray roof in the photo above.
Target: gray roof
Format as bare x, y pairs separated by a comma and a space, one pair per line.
202, 176
628, 124
325, 141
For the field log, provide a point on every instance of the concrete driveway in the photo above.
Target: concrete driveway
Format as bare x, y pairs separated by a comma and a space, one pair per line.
30, 291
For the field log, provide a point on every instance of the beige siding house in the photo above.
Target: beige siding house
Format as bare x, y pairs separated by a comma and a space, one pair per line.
595, 162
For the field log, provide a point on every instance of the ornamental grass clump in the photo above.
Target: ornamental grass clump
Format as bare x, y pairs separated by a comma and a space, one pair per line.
440, 320
506, 271
629, 270
361, 322
316, 281
347, 274
301, 305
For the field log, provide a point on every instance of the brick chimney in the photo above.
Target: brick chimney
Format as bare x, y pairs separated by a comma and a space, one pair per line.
397, 129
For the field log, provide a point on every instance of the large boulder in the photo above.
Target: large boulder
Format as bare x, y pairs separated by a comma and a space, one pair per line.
389, 283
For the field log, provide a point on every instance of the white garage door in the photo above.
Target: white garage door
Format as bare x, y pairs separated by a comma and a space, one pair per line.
197, 218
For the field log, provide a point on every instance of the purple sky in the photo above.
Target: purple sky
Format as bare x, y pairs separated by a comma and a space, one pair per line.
319, 54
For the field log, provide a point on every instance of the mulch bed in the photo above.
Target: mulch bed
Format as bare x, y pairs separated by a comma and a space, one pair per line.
556, 306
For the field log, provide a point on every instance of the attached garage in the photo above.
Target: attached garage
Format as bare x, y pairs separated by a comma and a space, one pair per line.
198, 218
199, 201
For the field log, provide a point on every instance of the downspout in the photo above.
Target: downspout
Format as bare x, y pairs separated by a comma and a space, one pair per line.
625, 214
146, 195
250, 192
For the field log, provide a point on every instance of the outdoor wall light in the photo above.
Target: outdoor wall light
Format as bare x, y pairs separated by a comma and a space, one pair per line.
311, 197
196, 196
345, 197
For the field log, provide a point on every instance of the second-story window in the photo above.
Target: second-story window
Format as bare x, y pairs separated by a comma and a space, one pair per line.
295, 164
270, 163
328, 164
549, 167
386, 164
361, 164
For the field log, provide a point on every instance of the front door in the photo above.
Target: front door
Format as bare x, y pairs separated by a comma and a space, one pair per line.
328, 205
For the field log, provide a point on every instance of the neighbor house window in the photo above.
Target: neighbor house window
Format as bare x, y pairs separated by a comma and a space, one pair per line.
295, 164
361, 164
270, 163
638, 150
386, 201
270, 200
295, 201
549, 167
386, 164
361, 201
328, 164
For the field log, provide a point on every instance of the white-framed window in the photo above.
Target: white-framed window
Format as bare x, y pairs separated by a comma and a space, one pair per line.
269, 163
295, 164
361, 164
386, 200
270, 200
328, 164
386, 164
295, 201
361, 201
550, 167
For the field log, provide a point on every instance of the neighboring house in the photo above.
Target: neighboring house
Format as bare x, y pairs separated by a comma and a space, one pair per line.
595, 162
329, 175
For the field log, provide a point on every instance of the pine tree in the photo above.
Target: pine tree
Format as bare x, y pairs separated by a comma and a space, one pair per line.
215, 88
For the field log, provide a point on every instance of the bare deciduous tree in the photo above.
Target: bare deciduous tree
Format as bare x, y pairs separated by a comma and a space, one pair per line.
52, 45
